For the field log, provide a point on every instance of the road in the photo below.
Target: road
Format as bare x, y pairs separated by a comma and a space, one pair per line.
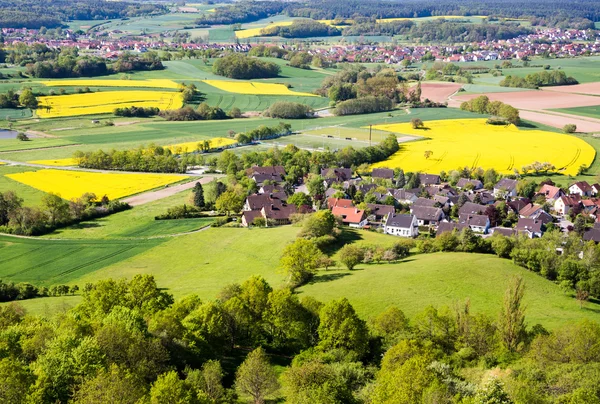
152, 196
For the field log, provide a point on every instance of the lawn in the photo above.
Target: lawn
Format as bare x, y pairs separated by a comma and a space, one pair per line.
590, 112
136, 222
30, 195
443, 279
50, 262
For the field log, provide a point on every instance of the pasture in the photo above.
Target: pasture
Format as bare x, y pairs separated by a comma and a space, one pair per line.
71, 184
590, 112
473, 143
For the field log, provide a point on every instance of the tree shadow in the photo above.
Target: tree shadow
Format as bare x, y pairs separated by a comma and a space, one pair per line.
523, 124
328, 277
347, 236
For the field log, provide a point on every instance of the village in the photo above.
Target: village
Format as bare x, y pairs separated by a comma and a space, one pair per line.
431, 209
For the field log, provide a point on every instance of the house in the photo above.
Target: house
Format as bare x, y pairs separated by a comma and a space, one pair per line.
505, 231
581, 188
484, 197
383, 173
337, 174
550, 192
403, 196
261, 174
424, 202
343, 203
258, 201
466, 182
248, 217
401, 225
274, 214
595, 189
565, 203
477, 223
505, 188
352, 217
516, 204
271, 189
449, 227
531, 227
380, 212
592, 234
470, 208
429, 179
530, 210
427, 215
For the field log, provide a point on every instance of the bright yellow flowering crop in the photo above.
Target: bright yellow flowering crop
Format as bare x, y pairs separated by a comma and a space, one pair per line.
252, 32
254, 88
73, 184
57, 162
190, 147
151, 83
105, 102
458, 143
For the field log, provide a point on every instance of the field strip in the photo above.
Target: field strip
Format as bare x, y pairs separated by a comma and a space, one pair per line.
151, 196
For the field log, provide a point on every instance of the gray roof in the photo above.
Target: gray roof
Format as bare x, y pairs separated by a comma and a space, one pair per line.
427, 213
445, 227
506, 184
463, 182
470, 208
424, 202
382, 173
474, 220
429, 179
403, 221
531, 225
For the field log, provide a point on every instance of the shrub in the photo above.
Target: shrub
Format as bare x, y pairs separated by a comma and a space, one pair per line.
365, 105
22, 137
288, 110
570, 128
238, 66
417, 123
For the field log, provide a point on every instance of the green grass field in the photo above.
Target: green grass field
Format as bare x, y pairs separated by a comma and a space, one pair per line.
30, 195
49, 262
205, 262
590, 112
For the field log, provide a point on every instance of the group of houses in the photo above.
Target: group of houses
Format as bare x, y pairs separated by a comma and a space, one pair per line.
435, 206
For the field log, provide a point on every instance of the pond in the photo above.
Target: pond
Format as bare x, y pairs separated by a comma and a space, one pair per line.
7, 134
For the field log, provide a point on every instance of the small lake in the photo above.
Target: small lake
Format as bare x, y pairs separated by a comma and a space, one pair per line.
7, 134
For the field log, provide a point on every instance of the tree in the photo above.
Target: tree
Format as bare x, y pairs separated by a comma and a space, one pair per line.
400, 179
300, 199
570, 128
318, 224
114, 385
315, 185
341, 327
417, 123
351, 255
207, 382
300, 259
27, 99
22, 137
229, 202
255, 376
428, 154
169, 388
15, 380
198, 195
492, 392
511, 323
57, 208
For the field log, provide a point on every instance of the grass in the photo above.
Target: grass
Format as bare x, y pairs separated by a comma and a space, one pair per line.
443, 279
47, 262
15, 113
590, 112
136, 222
30, 195
203, 263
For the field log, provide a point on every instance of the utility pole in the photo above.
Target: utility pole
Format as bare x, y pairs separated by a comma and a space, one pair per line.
370, 131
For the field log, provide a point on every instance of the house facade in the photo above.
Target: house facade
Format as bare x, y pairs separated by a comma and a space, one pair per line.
401, 225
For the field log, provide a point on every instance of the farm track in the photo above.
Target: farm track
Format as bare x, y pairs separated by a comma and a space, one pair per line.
95, 261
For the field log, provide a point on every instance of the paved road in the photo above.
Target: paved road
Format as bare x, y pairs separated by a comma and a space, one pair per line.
152, 196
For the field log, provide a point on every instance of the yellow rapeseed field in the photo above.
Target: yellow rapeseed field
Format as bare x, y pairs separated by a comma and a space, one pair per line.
458, 143
254, 88
57, 162
151, 83
105, 102
437, 17
252, 32
189, 147
73, 184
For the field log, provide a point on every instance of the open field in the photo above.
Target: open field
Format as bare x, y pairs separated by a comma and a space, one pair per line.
30, 195
73, 184
151, 83
438, 92
590, 112
105, 102
69, 162
205, 262
46, 262
255, 88
195, 146
473, 143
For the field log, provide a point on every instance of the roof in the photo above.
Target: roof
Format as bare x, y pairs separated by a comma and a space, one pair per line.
474, 220
485, 197
400, 220
260, 178
505, 231
463, 182
518, 204
343, 203
349, 215
570, 200
424, 202
470, 208
550, 191
529, 225
582, 185
250, 215
429, 179
269, 170
402, 194
269, 189
506, 184
592, 234
427, 213
449, 227
258, 201
380, 210
281, 212
529, 210
383, 173
340, 174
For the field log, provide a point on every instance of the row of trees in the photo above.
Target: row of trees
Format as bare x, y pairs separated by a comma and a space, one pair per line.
134, 343
12, 99
151, 159
264, 132
239, 66
539, 79
201, 113
138, 112
483, 105
53, 213
363, 105
10, 291
288, 110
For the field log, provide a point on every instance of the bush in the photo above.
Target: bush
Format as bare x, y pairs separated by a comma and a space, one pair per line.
22, 137
288, 110
417, 123
365, 105
570, 128
138, 112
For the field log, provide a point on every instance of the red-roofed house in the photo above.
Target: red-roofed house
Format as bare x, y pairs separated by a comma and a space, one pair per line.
350, 216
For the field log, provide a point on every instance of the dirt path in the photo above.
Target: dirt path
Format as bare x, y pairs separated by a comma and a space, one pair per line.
152, 196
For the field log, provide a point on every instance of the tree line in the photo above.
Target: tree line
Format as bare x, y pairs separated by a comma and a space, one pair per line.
54, 212
539, 79
10, 291
301, 29
34, 14
238, 66
135, 343
483, 105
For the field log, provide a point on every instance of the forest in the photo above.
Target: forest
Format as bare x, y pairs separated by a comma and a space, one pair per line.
34, 14
131, 342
